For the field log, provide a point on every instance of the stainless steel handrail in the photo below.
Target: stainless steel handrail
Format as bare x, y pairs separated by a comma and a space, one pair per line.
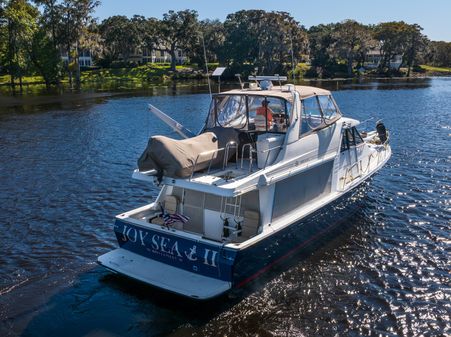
251, 159
212, 152
269, 152
226, 155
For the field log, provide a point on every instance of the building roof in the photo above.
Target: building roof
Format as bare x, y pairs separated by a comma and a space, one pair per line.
304, 92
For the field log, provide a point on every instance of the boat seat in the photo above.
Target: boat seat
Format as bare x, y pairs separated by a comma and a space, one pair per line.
170, 205
249, 227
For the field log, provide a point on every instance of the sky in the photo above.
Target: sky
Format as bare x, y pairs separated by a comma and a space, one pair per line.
433, 15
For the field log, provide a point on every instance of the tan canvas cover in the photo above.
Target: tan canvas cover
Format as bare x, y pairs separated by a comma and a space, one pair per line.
175, 158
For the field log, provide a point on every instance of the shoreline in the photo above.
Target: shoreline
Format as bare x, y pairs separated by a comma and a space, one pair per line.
36, 95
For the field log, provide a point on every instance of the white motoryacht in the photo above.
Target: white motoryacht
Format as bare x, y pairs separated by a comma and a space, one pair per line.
273, 170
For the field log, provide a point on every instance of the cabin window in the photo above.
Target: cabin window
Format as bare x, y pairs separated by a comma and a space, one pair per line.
311, 115
317, 111
268, 114
248, 112
230, 111
328, 107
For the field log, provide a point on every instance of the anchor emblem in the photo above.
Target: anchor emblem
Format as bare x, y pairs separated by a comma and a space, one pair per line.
192, 252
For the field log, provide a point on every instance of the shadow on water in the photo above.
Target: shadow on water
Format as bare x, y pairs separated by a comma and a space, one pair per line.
101, 303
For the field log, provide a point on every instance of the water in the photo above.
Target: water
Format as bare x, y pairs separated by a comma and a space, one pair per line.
65, 172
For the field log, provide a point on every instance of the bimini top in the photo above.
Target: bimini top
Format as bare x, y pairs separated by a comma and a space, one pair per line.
276, 91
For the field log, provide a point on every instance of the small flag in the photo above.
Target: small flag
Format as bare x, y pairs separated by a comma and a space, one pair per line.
173, 218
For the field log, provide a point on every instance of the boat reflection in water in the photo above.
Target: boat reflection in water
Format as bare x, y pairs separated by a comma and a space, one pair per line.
273, 170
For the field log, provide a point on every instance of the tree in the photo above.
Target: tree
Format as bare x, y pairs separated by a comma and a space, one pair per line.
76, 17
415, 43
45, 58
177, 30
392, 37
400, 38
51, 18
265, 39
3, 35
213, 36
439, 53
21, 23
120, 36
351, 40
320, 39
241, 43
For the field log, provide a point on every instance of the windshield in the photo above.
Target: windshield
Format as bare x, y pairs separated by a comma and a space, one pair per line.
250, 112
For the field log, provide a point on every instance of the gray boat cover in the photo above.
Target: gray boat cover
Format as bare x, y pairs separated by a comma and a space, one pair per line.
175, 158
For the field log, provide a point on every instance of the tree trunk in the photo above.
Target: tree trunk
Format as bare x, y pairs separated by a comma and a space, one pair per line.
78, 75
69, 72
350, 60
173, 60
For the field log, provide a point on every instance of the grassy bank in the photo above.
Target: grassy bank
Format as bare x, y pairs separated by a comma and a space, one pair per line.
440, 70
150, 72
161, 73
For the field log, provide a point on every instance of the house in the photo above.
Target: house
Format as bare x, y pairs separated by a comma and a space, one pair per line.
374, 57
139, 56
159, 56
84, 57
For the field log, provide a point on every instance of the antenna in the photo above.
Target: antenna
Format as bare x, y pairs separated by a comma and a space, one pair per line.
278, 79
239, 79
206, 64
292, 57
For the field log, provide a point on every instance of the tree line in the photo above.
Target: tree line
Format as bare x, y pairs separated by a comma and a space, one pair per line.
34, 35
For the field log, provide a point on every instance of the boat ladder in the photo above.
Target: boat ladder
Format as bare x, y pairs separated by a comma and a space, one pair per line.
231, 206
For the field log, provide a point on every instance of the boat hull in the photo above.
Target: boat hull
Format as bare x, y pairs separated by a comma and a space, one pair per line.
299, 238
222, 267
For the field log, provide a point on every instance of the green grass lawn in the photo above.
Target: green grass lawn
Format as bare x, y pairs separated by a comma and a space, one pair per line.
5, 79
151, 71
145, 72
436, 69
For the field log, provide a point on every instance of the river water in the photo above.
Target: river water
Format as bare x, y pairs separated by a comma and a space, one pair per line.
65, 171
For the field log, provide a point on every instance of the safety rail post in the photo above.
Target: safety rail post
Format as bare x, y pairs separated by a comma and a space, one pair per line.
251, 159
226, 155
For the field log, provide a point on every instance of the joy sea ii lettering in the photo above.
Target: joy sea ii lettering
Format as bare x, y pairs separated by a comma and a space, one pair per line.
168, 246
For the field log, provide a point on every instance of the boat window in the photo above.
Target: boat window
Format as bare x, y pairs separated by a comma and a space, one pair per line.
317, 111
268, 114
328, 107
230, 111
249, 112
311, 115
